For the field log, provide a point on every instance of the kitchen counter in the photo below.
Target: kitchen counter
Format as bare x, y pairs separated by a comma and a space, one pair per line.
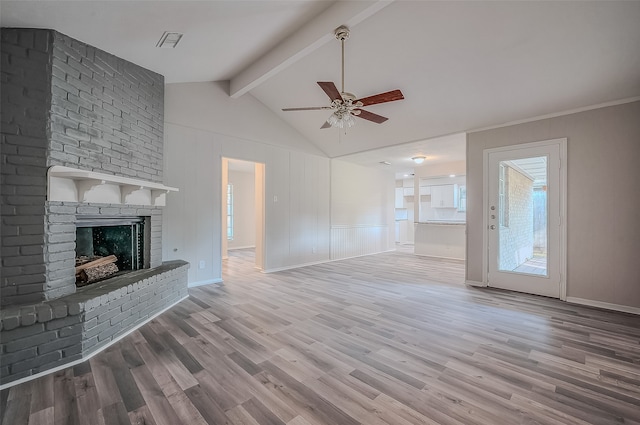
440, 238
444, 222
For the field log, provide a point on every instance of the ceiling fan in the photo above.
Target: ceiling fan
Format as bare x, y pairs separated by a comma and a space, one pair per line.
346, 105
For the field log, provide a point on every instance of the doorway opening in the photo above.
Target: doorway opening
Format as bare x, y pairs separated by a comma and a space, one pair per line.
243, 212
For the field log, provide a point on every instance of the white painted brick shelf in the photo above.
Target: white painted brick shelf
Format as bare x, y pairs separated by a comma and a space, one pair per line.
74, 185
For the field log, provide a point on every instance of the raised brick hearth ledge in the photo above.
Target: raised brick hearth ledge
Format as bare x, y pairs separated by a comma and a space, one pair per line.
39, 337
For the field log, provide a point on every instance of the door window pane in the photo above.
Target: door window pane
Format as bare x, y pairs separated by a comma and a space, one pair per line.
522, 210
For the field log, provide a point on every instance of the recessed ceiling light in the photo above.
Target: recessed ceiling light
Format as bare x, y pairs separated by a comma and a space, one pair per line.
452, 175
169, 40
419, 159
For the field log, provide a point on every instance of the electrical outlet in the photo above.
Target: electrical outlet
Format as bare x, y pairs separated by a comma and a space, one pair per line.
201, 264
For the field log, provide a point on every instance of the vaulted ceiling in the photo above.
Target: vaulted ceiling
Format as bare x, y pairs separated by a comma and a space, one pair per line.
460, 65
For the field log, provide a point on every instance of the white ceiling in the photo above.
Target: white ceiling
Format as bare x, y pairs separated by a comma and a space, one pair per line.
438, 150
461, 65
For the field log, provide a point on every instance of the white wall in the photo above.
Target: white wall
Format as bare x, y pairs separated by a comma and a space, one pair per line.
362, 210
603, 199
244, 210
199, 121
191, 220
208, 106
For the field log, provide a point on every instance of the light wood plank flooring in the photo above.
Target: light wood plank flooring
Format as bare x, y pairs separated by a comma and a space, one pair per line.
385, 339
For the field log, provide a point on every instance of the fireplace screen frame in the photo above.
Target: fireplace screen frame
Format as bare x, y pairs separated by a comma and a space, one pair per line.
140, 235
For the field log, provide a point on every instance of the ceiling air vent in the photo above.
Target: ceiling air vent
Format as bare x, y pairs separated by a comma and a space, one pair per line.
169, 40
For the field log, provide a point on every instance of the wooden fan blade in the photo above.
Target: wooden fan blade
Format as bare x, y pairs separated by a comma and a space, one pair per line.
389, 96
370, 116
310, 108
330, 89
326, 125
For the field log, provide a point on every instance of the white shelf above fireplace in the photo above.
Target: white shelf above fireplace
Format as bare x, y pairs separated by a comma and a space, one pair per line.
73, 185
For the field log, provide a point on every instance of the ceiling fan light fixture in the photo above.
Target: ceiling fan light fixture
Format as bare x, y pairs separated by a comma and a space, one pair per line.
341, 120
419, 159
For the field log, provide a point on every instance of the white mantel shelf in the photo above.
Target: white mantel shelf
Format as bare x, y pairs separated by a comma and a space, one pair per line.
73, 185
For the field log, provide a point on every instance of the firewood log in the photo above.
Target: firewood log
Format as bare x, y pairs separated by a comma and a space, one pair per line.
95, 273
98, 262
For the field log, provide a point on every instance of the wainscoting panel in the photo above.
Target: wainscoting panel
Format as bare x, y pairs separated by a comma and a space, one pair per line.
356, 240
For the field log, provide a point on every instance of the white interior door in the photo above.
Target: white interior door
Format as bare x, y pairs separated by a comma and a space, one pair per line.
524, 207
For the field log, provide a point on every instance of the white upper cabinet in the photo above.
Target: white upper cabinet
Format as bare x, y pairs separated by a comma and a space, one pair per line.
399, 197
444, 196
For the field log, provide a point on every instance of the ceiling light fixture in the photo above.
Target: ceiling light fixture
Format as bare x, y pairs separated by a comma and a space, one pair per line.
341, 118
169, 40
419, 159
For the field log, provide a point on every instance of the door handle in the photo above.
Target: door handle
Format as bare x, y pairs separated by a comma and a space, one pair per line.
492, 227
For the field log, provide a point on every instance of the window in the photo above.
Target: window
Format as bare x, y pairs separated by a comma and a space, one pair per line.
230, 212
462, 198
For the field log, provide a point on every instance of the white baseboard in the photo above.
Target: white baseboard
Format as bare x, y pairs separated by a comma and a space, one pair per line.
296, 266
240, 247
91, 354
204, 282
313, 263
362, 255
434, 257
607, 306
475, 283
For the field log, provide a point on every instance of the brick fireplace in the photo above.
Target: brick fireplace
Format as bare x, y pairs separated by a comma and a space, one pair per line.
70, 106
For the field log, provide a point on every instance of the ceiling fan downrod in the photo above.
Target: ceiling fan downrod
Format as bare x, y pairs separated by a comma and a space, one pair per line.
342, 33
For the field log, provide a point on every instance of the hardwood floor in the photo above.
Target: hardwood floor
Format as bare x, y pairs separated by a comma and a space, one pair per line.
385, 339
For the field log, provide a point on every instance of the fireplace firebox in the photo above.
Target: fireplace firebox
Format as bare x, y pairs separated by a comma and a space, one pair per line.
114, 244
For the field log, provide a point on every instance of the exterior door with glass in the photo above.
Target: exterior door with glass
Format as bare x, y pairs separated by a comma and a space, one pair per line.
524, 210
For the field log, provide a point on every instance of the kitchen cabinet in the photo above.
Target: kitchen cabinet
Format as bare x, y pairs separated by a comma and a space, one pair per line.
407, 185
444, 196
402, 228
425, 190
399, 197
